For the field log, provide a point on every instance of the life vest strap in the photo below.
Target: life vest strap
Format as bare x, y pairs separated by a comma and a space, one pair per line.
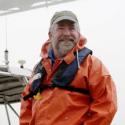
70, 88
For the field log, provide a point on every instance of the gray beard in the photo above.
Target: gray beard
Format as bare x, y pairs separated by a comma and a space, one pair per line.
64, 47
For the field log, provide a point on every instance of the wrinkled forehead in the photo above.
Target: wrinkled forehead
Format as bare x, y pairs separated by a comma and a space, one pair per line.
67, 23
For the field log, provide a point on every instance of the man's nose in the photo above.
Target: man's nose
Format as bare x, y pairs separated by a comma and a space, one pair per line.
66, 32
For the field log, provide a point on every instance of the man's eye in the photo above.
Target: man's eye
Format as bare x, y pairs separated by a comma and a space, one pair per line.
72, 28
60, 28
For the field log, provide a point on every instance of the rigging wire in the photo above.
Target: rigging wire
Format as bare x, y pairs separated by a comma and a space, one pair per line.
6, 32
6, 44
46, 3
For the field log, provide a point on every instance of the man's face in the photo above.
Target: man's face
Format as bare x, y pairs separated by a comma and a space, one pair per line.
64, 36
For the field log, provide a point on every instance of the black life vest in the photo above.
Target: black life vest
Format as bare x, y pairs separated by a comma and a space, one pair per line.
62, 78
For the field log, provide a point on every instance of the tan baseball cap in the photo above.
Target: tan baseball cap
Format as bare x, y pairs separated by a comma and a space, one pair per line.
63, 15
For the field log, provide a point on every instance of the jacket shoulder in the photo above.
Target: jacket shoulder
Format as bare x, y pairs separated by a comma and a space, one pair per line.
96, 65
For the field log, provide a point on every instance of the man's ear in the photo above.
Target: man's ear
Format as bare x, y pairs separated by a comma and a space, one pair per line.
49, 34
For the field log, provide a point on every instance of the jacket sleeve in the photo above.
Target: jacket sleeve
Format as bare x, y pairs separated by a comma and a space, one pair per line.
103, 92
26, 108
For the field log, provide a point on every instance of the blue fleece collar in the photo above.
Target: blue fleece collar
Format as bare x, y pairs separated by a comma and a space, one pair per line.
51, 56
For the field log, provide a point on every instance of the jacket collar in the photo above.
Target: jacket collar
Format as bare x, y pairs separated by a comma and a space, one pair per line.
47, 51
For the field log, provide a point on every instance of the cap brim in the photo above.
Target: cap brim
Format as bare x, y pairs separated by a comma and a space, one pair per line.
65, 18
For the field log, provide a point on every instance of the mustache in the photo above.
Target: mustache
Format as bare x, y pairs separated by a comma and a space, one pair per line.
66, 39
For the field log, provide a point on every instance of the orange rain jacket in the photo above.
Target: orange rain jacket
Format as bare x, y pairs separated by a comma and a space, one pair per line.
62, 107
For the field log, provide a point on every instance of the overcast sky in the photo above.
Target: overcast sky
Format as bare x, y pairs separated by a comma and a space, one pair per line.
102, 22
